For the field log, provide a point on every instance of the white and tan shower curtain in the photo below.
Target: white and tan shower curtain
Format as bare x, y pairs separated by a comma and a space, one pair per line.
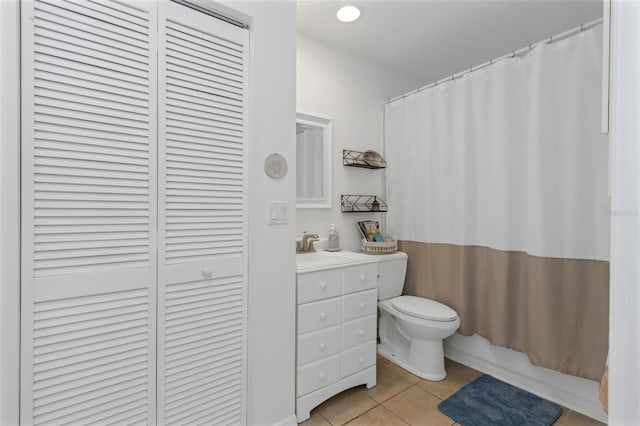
498, 190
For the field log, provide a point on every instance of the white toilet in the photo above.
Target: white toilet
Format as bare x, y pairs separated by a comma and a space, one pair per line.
411, 328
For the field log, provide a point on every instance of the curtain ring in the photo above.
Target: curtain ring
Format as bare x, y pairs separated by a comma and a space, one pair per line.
581, 27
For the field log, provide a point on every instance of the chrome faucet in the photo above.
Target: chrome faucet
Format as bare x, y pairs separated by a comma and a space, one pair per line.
306, 244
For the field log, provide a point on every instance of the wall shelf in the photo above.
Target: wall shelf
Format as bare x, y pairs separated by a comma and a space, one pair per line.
366, 159
362, 203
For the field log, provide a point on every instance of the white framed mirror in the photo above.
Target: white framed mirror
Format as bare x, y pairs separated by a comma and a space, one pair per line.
313, 161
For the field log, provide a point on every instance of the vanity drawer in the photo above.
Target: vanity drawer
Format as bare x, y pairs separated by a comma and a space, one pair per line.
317, 345
360, 277
360, 331
317, 375
318, 285
358, 358
316, 315
360, 304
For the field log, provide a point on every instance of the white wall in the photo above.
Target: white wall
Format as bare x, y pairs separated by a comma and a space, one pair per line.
350, 91
624, 343
271, 387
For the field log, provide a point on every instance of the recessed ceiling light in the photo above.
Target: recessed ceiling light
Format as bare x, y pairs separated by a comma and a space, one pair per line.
348, 13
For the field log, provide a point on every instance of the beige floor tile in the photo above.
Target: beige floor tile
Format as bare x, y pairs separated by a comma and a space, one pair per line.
576, 419
389, 383
379, 416
315, 420
444, 388
346, 406
461, 370
383, 363
565, 412
418, 408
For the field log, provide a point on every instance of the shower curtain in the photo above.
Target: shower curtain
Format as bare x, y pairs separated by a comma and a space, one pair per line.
497, 187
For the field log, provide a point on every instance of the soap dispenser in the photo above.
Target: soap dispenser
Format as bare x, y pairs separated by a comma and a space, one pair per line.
334, 239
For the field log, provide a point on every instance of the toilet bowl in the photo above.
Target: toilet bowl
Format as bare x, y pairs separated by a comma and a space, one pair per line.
411, 328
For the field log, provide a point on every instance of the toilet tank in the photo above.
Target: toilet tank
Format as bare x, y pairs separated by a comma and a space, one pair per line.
392, 269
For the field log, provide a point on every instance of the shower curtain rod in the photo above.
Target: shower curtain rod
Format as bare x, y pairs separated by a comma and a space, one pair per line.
548, 40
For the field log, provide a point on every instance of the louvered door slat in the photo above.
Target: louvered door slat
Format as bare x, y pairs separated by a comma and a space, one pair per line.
49, 36
198, 42
199, 38
104, 30
217, 106
207, 60
204, 112
51, 106
117, 14
89, 212
49, 96
101, 87
208, 97
112, 41
202, 220
195, 77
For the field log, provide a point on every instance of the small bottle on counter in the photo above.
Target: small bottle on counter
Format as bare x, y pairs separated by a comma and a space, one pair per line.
334, 238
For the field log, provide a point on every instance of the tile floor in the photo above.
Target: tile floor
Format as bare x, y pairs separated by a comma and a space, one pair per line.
402, 399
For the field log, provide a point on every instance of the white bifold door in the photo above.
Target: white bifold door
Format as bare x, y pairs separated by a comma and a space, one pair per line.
133, 214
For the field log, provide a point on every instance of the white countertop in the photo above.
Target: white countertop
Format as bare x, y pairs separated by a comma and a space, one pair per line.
322, 259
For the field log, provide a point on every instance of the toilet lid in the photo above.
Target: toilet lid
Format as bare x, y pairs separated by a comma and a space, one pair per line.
420, 307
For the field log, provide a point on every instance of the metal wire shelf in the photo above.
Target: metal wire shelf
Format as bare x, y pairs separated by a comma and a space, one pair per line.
362, 203
366, 159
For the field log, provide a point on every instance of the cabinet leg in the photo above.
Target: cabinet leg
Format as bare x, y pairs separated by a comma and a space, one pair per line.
302, 416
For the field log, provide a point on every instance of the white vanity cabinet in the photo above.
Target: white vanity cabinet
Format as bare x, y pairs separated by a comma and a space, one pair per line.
336, 326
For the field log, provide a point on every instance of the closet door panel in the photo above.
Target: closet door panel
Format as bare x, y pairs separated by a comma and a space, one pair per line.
89, 200
202, 218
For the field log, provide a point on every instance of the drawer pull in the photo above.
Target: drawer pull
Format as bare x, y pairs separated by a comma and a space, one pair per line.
323, 316
363, 306
363, 278
321, 377
207, 272
323, 347
323, 285
361, 360
361, 333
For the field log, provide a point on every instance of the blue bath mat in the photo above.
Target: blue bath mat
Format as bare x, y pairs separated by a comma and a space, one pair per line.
488, 401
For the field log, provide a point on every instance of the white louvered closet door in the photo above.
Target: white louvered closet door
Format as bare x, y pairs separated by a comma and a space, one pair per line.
202, 218
89, 167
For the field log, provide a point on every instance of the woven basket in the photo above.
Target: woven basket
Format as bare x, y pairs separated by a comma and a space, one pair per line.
372, 247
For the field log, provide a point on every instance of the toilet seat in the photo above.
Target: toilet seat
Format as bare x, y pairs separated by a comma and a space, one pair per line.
421, 307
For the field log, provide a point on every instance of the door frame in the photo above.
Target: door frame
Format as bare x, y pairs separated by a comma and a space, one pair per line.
10, 212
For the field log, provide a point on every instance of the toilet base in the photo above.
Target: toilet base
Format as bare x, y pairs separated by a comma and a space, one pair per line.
401, 359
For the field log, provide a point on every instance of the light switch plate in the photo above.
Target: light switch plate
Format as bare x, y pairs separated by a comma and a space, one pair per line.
277, 212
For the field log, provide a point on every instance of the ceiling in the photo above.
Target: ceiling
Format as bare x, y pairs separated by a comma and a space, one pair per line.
432, 39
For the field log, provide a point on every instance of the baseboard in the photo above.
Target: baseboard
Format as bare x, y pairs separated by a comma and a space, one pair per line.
289, 421
513, 367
